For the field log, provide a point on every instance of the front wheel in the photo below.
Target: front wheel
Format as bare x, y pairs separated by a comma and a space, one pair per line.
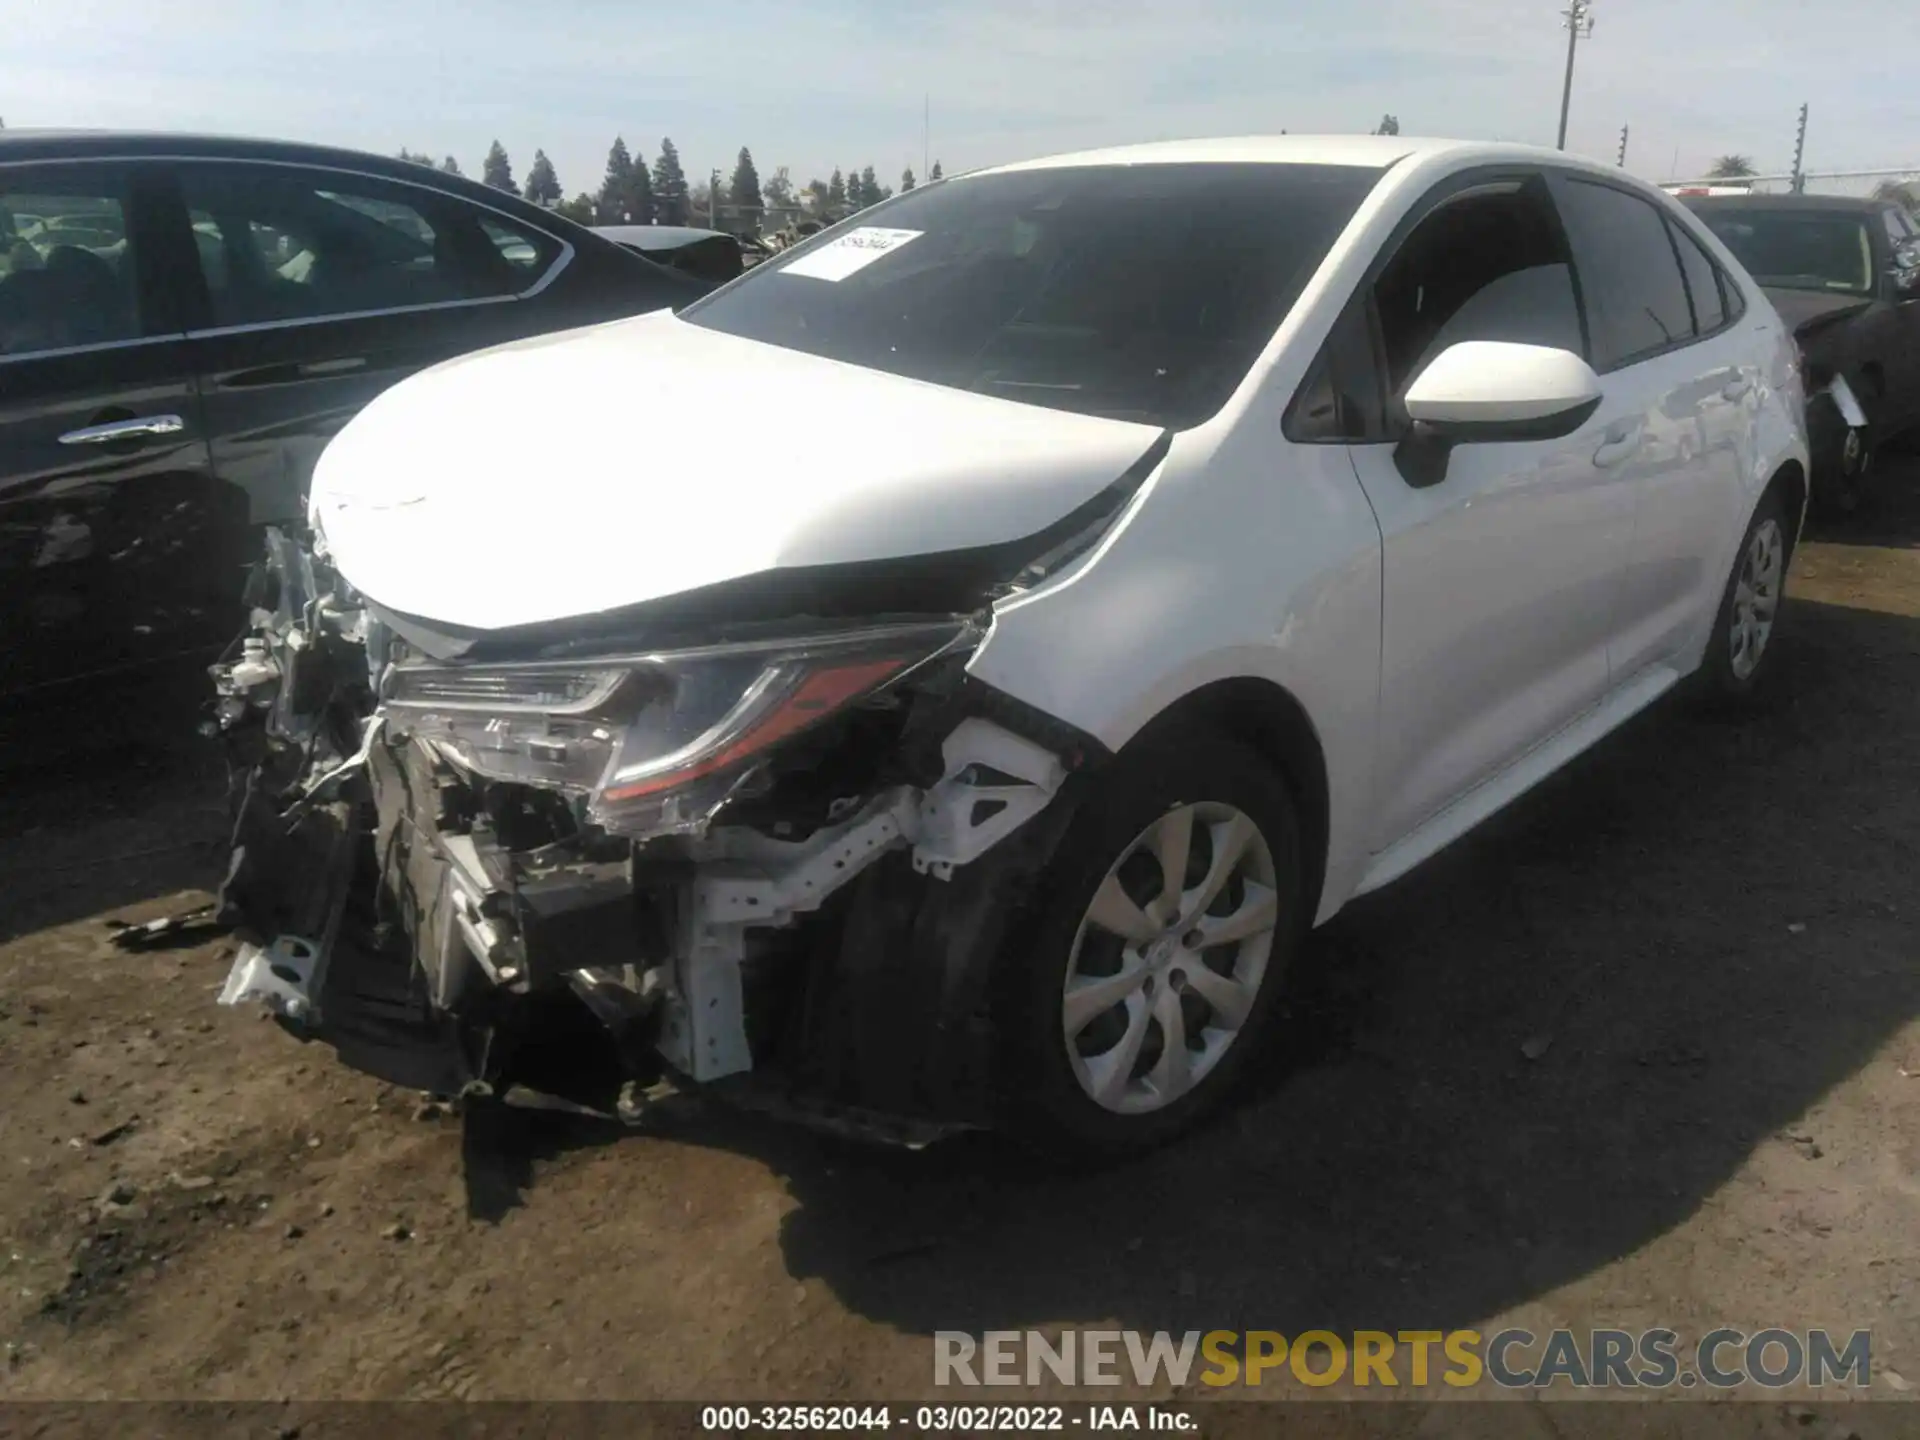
1849, 476
1742, 644
1168, 918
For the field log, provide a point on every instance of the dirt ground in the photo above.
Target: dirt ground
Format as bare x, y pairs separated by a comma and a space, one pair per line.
1711, 930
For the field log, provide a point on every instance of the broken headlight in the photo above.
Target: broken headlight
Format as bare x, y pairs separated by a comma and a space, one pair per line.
654, 742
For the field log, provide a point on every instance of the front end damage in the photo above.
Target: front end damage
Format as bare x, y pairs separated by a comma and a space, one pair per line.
780, 859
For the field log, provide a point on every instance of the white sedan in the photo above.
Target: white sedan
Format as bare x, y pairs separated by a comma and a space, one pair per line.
940, 677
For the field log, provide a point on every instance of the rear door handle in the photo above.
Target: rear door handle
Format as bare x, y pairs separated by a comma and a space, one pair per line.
1620, 440
137, 428
1737, 388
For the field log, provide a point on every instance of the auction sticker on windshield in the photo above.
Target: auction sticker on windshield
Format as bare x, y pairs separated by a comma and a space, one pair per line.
853, 251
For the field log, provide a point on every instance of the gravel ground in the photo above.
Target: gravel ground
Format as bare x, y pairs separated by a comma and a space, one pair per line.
1643, 1051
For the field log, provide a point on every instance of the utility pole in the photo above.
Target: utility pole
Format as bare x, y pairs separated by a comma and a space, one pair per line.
713, 202
1622, 161
926, 133
1578, 20
1800, 155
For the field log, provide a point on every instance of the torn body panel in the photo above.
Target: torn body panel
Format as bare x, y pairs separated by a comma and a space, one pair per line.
789, 860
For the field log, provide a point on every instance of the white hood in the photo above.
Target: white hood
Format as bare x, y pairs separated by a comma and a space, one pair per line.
605, 467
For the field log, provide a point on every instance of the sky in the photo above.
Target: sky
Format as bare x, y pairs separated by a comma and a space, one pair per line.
814, 84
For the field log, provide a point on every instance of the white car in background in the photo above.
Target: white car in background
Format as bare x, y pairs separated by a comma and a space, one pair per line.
1169, 545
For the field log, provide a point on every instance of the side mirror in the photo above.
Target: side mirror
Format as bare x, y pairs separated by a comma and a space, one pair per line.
1492, 391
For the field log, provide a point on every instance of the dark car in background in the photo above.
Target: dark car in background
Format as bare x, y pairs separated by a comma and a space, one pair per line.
185, 322
1845, 276
710, 255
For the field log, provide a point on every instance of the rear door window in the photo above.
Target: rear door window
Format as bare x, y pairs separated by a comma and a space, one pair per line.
1704, 282
1630, 276
285, 243
67, 276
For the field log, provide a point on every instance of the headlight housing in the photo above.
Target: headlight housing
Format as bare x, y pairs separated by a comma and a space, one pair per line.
654, 742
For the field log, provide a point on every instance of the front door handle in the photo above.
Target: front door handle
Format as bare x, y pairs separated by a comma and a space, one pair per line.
1737, 388
137, 428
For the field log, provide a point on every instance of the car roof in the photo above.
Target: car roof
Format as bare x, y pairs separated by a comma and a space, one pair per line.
1833, 204
20, 146
1374, 152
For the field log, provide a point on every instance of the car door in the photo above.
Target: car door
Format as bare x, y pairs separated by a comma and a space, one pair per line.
1681, 404
118, 548
319, 288
1500, 576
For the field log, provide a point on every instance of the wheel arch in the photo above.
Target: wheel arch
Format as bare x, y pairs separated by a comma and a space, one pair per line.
1789, 484
1269, 720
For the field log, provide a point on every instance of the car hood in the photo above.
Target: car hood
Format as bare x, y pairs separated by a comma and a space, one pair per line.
599, 469
1806, 311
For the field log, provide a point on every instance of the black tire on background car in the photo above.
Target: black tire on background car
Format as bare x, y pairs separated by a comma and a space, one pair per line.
1848, 476
1739, 659
1091, 1064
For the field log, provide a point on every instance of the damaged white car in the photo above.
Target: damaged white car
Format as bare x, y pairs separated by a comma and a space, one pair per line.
940, 677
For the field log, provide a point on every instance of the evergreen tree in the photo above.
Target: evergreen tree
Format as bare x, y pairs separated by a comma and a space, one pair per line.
936, 173
906, 180
669, 186
612, 200
870, 191
837, 193
543, 186
626, 197
450, 165
743, 190
497, 170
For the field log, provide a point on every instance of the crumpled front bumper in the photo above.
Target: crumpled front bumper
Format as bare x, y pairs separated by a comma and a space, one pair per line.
846, 969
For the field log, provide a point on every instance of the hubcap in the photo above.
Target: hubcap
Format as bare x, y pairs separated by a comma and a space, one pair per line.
1756, 597
1169, 957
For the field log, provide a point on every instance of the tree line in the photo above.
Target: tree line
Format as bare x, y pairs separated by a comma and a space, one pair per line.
635, 193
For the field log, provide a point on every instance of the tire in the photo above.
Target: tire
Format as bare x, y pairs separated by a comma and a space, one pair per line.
1107, 876
1738, 664
1849, 478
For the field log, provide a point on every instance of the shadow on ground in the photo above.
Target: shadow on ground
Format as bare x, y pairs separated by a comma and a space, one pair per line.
107, 799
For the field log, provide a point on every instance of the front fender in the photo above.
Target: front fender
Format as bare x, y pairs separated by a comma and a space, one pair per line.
1254, 562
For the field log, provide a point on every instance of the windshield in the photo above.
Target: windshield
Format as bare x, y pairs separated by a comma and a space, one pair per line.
1141, 292
1798, 249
